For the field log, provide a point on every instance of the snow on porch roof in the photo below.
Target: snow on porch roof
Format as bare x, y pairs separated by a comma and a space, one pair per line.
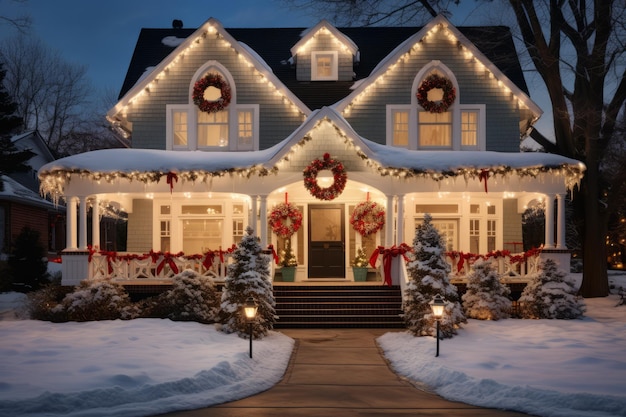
149, 165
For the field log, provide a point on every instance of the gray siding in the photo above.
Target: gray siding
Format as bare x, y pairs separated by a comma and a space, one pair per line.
148, 115
368, 117
140, 227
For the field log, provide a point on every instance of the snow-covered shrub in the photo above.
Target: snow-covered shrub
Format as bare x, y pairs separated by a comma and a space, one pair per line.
248, 276
97, 300
429, 276
43, 304
551, 295
192, 297
486, 297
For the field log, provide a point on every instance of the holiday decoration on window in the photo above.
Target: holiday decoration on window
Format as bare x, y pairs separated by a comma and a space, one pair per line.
431, 82
339, 178
285, 219
368, 217
211, 80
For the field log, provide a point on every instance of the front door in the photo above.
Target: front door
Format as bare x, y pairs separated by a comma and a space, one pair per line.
326, 241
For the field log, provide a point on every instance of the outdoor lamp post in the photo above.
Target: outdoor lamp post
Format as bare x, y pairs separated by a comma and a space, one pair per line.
437, 305
250, 308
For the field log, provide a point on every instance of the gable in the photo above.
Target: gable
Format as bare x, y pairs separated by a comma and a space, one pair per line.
274, 46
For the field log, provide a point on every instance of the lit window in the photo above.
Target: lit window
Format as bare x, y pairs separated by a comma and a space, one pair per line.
245, 128
179, 119
213, 129
401, 128
469, 128
324, 66
491, 235
435, 129
474, 235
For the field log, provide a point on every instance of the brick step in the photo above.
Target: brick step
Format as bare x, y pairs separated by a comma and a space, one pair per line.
345, 306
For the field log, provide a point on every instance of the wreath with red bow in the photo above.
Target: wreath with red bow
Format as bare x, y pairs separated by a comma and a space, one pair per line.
339, 178
211, 80
368, 217
285, 219
436, 81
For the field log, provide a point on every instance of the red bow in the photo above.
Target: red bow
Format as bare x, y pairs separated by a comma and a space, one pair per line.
274, 254
171, 178
208, 260
484, 175
169, 260
388, 255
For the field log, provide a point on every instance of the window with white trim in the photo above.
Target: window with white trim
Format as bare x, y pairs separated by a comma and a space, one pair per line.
247, 128
434, 129
400, 128
213, 129
324, 66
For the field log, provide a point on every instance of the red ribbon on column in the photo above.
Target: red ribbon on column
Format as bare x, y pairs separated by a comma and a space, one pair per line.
274, 254
171, 178
388, 255
484, 175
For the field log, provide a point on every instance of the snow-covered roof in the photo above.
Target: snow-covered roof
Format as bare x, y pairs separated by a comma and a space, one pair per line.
14, 191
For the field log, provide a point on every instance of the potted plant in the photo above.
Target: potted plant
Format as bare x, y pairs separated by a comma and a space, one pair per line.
288, 262
359, 265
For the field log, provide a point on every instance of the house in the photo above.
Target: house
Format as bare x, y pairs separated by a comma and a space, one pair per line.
20, 202
334, 138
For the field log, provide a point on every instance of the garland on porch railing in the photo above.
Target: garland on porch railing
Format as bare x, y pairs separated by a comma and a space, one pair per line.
401, 250
167, 258
473, 257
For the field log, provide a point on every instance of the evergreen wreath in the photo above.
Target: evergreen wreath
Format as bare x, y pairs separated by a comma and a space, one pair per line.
211, 80
436, 81
368, 217
339, 178
285, 219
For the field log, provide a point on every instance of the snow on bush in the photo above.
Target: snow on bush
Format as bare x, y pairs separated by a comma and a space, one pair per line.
551, 295
429, 276
192, 297
486, 297
43, 303
96, 300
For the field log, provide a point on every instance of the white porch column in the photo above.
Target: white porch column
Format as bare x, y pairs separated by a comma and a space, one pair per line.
253, 209
70, 229
560, 222
95, 223
263, 221
389, 222
400, 220
82, 223
549, 215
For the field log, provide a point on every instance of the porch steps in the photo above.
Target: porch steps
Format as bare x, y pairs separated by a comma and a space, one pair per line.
338, 306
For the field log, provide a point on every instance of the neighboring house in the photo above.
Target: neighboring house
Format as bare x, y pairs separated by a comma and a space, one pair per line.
20, 202
420, 120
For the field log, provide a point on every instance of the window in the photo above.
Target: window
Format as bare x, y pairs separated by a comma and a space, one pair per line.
400, 128
212, 129
247, 128
448, 228
435, 129
165, 235
491, 235
469, 128
324, 66
179, 122
201, 235
474, 235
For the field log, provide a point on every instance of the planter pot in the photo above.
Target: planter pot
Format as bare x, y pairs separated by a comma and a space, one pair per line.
360, 274
288, 273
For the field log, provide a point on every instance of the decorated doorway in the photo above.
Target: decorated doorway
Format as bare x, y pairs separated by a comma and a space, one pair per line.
326, 241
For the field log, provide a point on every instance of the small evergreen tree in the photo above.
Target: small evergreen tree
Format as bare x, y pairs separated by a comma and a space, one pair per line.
27, 264
551, 295
248, 276
486, 298
429, 276
287, 257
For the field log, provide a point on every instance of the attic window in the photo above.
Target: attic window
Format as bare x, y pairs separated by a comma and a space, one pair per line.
324, 66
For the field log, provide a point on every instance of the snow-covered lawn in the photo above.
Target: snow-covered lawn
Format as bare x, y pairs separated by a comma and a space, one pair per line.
149, 366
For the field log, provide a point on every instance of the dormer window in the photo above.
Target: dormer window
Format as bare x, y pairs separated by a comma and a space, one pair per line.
324, 66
